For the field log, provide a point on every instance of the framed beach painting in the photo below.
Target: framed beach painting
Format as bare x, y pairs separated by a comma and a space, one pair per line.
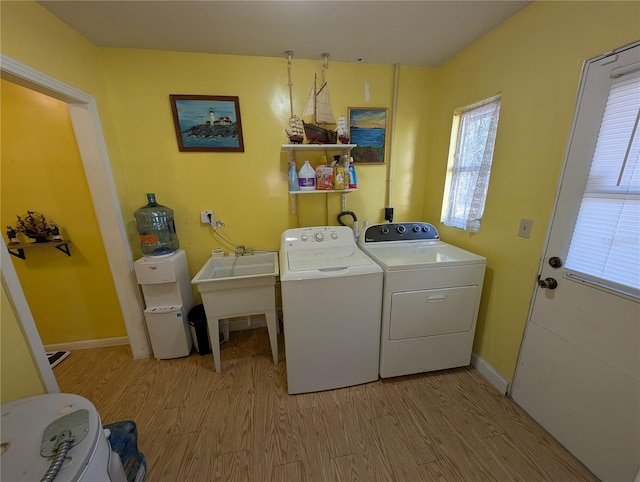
207, 123
368, 130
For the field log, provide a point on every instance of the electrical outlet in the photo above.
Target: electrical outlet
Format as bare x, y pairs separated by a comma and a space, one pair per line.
206, 217
525, 228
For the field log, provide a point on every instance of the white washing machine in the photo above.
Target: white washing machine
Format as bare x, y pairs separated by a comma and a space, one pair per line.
27, 452
331, 305
430, 301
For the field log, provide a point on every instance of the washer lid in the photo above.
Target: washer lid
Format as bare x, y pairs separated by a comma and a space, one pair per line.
23, 425
425, 254
329, 258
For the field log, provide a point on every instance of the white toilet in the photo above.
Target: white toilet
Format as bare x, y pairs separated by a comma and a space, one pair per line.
23, 424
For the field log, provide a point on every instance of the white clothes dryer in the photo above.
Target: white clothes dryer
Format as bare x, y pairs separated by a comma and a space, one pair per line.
430, 301
27, 453
331, 305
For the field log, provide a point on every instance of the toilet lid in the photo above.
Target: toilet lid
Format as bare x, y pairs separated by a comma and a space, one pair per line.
23, 424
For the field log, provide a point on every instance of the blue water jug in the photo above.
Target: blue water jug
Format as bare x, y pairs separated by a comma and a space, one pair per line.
156, 228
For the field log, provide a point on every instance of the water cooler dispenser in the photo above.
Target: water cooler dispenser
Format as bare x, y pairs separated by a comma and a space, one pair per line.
166, 286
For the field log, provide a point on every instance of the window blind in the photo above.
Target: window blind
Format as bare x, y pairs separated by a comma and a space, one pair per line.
605, 245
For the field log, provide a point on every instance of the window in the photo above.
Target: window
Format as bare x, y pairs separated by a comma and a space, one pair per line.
473, 137
604, 246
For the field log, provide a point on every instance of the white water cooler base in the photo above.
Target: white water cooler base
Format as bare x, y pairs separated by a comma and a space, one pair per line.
168, 331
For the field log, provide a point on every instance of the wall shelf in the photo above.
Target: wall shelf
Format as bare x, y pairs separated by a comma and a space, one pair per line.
318, 147
17, 249
323, 191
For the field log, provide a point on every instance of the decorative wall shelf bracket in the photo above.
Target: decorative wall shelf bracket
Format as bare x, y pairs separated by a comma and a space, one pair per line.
293, 203
17, 249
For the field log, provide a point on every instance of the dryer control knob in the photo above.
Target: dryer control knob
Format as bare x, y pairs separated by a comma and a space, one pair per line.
319, 237
384, 230
303, 237
401, 229
334, 236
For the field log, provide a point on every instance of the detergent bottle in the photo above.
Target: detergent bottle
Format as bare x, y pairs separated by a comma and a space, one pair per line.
344, 159
307, 177
353, 178
293, 177
338, 174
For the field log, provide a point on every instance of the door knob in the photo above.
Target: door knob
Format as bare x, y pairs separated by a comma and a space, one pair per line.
548, 283
555, 262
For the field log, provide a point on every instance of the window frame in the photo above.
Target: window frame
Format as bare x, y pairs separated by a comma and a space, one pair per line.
456, 144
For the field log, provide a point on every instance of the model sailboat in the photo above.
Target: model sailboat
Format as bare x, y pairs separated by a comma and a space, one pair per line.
343, 130
295, 131
319, 107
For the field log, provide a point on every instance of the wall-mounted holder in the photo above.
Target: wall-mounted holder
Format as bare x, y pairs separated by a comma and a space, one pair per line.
17, 249
327, 148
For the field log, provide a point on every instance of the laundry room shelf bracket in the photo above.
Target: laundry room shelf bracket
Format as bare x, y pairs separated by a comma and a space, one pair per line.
344, 193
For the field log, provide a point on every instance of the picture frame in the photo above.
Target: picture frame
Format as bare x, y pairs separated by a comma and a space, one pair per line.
207, 123
368, 130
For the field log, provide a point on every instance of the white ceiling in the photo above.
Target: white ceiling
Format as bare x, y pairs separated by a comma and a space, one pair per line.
418, 33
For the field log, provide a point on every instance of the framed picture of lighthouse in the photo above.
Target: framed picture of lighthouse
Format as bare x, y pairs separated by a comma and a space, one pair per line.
368, 130
207, 123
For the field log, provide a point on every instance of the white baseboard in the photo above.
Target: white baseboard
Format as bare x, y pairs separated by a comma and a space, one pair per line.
81, 345
493, 376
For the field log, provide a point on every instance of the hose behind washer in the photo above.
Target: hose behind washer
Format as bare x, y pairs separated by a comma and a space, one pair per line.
355, 221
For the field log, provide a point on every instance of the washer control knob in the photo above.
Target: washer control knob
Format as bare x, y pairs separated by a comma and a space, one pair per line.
416, 229
319, 237
425, 229
384, 230
303, 237
401, 229
334, 236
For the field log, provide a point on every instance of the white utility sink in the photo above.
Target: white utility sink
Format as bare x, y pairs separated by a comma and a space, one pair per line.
237, 272
239, 286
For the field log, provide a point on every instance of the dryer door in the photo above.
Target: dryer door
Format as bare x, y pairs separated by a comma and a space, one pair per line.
434, 312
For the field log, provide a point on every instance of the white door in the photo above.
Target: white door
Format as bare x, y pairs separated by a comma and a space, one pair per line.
578, 368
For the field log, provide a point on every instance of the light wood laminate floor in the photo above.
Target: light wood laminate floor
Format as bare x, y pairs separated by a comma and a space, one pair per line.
198, 425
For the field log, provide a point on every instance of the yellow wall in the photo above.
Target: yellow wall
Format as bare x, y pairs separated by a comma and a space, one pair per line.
248, 191
32, 35
71, 298
535, 61
19, 376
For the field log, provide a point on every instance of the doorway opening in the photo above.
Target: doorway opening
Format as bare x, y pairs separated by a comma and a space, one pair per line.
92, 147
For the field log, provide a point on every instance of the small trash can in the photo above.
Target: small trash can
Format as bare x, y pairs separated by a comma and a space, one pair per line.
199, 332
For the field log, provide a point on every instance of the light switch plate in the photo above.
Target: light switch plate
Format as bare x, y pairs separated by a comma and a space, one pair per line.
525, 228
